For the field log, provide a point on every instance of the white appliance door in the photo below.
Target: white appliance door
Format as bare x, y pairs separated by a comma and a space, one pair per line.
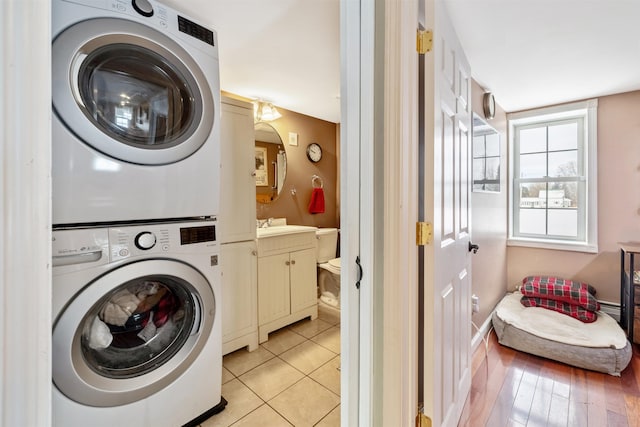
131, 332
130, 92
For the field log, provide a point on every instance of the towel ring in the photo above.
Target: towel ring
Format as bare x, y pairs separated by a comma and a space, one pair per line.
316, 182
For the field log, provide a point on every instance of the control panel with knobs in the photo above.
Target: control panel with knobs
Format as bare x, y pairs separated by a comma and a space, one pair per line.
145, 240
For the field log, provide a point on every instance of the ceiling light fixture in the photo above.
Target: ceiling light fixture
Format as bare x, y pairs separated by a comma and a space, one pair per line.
265, 111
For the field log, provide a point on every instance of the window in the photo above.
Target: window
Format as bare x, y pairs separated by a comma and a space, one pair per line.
486, 157
553, 177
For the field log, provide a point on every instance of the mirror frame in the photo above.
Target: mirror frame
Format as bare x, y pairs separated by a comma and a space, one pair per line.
273, 172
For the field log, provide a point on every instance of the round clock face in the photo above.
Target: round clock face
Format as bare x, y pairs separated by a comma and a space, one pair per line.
314, 152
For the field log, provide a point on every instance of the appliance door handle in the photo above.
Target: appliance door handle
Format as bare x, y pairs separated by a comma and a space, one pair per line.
82, 258
197, 315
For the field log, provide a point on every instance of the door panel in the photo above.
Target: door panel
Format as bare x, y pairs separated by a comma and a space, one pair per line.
448, 175
273, 287
304, 292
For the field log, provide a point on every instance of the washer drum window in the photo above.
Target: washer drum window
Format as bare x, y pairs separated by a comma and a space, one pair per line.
131, 332
134, 95
130, 92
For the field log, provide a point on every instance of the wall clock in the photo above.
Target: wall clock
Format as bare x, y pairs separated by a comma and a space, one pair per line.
489, 105
314, 152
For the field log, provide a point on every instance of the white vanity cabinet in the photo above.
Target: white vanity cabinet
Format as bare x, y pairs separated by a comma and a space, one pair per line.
239, 298
287, 281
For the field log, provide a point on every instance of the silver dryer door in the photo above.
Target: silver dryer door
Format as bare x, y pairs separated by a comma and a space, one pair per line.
130, 92
132, 332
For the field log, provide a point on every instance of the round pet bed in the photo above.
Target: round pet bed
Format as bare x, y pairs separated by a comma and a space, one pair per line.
599, 346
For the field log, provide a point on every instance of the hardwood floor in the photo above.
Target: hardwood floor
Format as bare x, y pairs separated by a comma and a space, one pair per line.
510, 388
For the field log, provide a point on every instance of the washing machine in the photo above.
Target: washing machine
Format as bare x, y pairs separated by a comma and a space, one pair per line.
136, 103
136, 325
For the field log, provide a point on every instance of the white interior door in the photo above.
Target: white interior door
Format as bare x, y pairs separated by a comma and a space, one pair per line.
447, 263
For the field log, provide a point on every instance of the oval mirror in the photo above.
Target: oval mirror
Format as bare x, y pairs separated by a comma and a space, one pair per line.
271, 163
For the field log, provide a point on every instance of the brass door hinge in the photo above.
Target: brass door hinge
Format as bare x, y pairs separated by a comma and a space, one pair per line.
421, 419
424, 41
424, 233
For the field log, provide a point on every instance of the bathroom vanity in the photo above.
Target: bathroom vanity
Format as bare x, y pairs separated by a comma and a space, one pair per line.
287, 281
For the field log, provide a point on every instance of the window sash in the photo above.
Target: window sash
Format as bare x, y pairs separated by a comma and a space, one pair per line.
579, 179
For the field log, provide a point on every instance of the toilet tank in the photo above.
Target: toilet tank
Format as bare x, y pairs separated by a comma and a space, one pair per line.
327, 244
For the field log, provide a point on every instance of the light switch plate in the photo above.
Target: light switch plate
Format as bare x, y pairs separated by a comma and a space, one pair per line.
293, 138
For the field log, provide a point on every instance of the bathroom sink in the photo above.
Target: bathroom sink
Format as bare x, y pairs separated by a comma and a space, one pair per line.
281, 230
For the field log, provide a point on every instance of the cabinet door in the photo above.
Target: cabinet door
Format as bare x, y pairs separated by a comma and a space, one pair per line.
273, 288
237, 183
239, 299
304, 291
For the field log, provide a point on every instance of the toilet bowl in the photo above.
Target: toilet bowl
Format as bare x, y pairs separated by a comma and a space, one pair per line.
328, 268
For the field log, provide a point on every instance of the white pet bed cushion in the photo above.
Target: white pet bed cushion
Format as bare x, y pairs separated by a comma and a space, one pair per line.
599, 346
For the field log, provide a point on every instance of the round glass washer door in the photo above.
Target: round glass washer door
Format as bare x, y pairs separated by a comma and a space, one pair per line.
130, 92
132, 332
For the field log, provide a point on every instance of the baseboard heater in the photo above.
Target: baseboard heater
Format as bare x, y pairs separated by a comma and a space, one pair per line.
612, 309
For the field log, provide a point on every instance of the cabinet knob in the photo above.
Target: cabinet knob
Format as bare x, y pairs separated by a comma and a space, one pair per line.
287, 263
254, 253
293, 262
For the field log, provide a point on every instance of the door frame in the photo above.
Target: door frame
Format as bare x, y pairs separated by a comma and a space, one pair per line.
379, 140
401, 195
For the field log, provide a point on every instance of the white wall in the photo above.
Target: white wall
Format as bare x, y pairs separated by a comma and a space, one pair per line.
489, 225
25, 232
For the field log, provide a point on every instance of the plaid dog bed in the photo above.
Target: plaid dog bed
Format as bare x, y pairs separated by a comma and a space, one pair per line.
572, 310
561, 290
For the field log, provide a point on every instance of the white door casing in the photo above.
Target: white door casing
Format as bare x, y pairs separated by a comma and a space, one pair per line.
25, 219
400, 261
447, 263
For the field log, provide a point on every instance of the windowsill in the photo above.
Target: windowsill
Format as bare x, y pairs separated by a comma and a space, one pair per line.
553, 244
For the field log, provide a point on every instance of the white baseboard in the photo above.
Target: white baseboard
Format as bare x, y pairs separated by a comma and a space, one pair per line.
480, 333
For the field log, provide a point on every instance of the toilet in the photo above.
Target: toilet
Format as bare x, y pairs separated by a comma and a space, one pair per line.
328, 268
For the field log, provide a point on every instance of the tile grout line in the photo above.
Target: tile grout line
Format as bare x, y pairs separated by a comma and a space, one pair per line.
306, 340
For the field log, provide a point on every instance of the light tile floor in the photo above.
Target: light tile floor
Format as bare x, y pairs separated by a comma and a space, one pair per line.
293, 379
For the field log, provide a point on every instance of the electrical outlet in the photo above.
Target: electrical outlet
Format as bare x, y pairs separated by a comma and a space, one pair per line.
475, 303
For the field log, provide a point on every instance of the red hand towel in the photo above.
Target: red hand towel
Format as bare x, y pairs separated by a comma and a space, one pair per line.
316, 205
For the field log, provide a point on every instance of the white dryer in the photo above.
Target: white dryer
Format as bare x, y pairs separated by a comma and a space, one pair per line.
135, 129
137, 339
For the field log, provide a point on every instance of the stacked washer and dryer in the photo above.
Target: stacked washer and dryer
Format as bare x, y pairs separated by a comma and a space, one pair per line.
136, 188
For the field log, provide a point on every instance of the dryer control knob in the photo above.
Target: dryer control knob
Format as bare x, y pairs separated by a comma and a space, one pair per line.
145, 240
143, 7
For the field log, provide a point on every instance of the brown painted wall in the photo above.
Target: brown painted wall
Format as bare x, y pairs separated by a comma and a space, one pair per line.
618, 205
294, 207
300, 170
